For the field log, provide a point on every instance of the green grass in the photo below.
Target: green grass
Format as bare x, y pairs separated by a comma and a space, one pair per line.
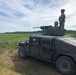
2, 64
71, 34
10, 41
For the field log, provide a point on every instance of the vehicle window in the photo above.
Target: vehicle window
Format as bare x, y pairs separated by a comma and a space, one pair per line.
46, 43
34, 41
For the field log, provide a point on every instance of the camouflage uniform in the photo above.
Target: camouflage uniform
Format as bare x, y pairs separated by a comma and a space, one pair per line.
56, 24
62, 19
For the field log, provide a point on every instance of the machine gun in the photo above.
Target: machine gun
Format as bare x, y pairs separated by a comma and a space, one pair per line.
42, 27
50, 30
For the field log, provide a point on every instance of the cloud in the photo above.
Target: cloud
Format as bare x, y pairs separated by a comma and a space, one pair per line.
22, 14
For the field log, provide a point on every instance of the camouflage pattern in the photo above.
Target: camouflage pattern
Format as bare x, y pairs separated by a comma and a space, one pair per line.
50, 47
52, 31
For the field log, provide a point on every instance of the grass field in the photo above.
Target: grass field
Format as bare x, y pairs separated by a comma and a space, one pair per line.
10, 41
11, 64
8, 46
71, 33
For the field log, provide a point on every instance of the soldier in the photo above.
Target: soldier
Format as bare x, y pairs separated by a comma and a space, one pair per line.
56, 24
62, 19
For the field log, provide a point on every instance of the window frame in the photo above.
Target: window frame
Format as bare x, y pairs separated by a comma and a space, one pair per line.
34, 41
44, 43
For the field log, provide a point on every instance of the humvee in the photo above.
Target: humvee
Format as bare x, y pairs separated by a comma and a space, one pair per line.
60, 50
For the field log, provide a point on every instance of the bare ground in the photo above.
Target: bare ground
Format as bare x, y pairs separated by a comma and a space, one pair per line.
11, 64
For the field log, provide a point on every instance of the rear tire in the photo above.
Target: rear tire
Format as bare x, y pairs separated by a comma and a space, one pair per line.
21, 52
65, 65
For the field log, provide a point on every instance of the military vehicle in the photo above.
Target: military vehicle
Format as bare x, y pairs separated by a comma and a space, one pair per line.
53, 47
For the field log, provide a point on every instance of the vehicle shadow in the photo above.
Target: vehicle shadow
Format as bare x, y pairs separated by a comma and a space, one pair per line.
32, 66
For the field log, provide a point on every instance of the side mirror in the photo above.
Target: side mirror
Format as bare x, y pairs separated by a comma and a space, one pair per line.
27, 42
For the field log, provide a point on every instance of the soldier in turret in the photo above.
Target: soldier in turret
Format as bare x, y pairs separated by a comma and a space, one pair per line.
62, 19
56, 24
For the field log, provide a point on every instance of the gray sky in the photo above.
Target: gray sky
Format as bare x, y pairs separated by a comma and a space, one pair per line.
22, 15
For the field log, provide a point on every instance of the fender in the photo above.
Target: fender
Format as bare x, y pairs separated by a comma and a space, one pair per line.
21, 44
68, 55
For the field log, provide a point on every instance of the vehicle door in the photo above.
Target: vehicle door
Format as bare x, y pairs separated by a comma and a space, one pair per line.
47, 48
34, 47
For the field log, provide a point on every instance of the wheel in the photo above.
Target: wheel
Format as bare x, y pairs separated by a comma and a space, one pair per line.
65, 65
21, 52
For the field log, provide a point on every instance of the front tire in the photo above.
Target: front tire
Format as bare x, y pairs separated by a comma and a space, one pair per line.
21, 52
65, 65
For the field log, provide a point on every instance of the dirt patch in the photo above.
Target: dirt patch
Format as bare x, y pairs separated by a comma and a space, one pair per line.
30, 66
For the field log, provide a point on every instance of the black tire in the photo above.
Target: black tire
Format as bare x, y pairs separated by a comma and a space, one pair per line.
65, 65
21, 52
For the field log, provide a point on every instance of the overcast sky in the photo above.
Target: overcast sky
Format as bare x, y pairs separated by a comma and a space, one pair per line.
22, 15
